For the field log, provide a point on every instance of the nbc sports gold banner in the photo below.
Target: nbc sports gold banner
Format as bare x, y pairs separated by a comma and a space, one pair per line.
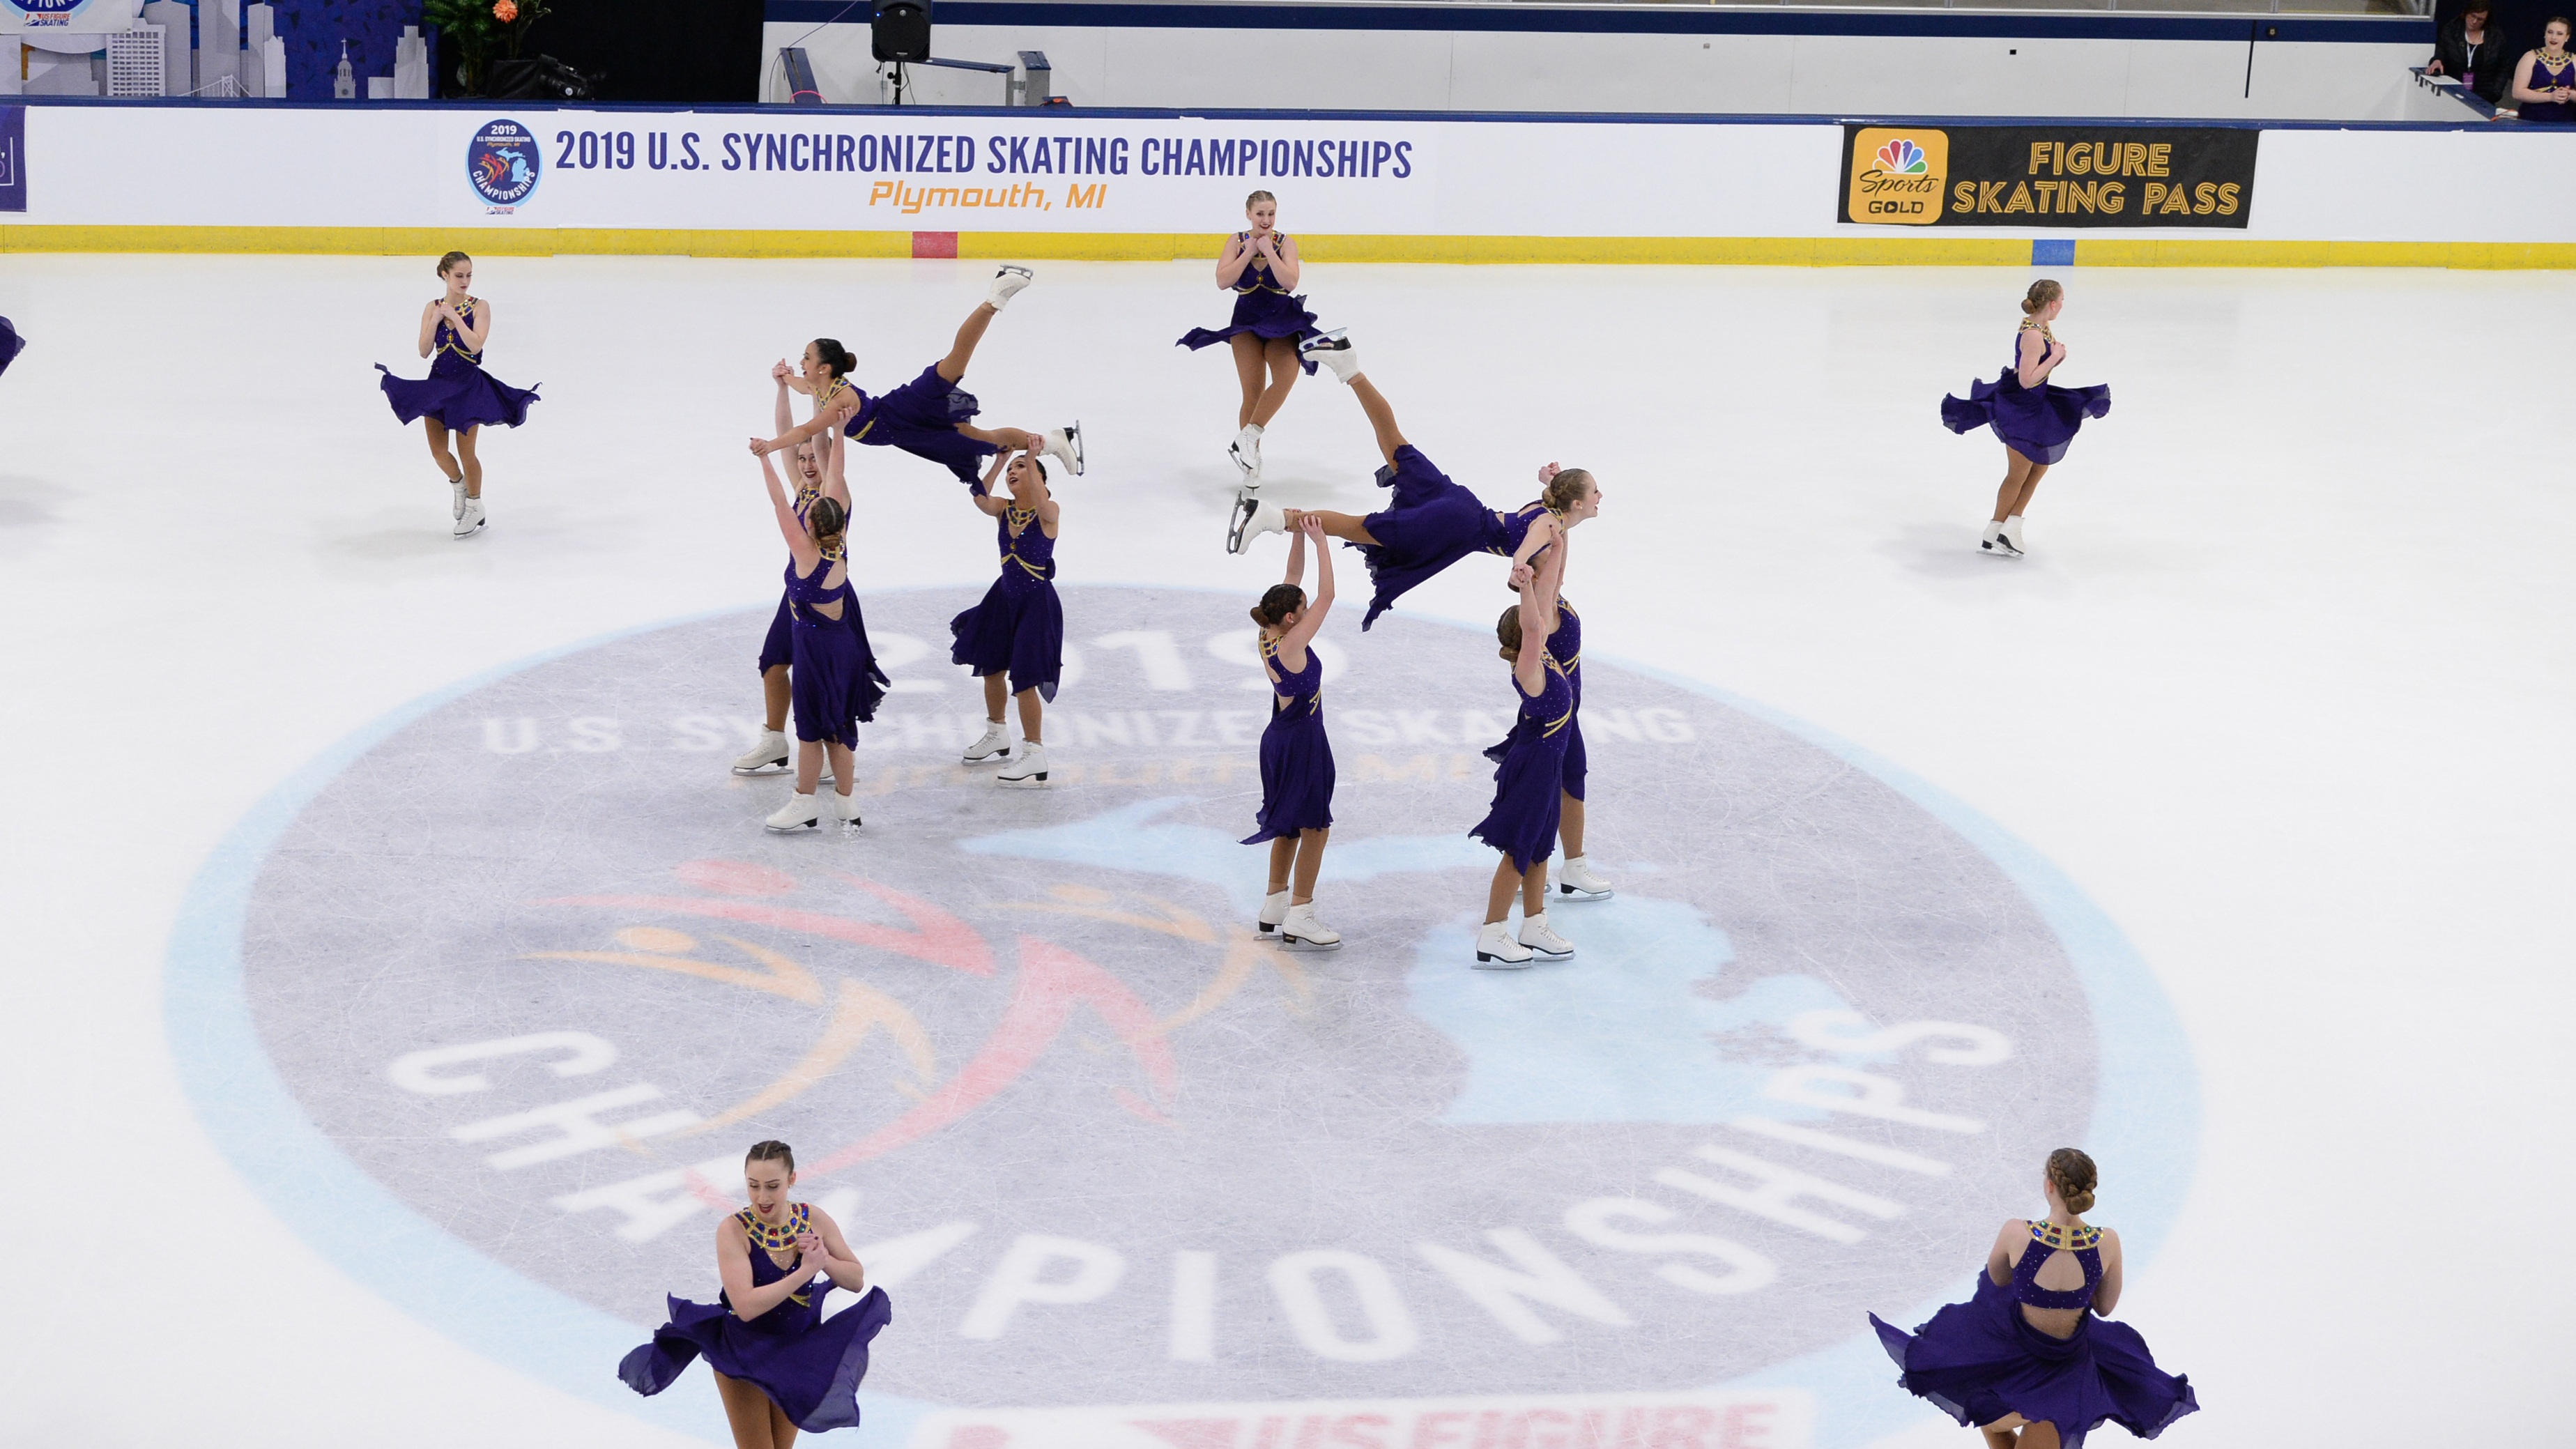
2049, 176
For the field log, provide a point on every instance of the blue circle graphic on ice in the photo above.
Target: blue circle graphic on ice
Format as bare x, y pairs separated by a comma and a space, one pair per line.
503, 163
530, 963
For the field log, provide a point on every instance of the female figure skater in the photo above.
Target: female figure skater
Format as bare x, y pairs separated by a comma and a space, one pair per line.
1296, 814
780, 1365
927, 417
2025, 1360
2544, 84
1529, 783
1432, 522
1017, 632
1574, 878
1260, 266
458, 397
2035, 417
832, 677
777, 651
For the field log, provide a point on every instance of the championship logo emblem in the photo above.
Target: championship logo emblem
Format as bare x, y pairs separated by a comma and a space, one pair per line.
521, 976
503, 162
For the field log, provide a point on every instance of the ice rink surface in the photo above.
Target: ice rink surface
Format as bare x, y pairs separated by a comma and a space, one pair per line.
2283, 689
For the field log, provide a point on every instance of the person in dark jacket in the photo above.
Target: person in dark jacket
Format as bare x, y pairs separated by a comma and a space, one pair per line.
2471, 51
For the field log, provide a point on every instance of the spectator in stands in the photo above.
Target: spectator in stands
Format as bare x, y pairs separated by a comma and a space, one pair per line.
2544, 84
2470, 51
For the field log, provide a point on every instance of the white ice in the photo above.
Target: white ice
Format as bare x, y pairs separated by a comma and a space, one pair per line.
2284, 684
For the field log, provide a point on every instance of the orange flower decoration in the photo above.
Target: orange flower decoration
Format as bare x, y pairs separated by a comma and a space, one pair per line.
505, 11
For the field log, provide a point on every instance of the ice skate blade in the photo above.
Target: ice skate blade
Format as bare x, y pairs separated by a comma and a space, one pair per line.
1576, 893
791, 829
771, 767
1037, 781
1486, 961
1301, 943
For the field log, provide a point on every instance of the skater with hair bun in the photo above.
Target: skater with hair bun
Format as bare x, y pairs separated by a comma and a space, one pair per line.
458, 397
780, 1365
832, 674
1296, 814
2034, 417
1014, 639
2028, 1361
1261, 268
1430, 522
1529, 781
930, 416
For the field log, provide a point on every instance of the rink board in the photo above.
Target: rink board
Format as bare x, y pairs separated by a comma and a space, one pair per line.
870, 182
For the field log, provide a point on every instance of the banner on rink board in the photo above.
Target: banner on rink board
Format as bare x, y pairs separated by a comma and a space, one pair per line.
13, 158
2048, 176
1696, 1419
900, 172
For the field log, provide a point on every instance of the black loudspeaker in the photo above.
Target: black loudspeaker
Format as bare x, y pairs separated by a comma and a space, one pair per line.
902, 30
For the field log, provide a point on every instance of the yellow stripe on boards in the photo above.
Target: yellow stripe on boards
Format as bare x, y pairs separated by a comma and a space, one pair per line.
1831, 251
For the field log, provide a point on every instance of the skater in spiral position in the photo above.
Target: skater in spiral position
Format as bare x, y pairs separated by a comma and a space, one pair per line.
1430, 522
1529, 781
1015, 637
931, 416
2027, 1360
2034, 417
1575, 878
777, 650
832, 676
1296, 814
458, 397
780, 1365
1260, 267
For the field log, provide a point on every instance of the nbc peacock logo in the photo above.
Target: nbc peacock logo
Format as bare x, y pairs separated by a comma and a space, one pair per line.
1895, 176
1901, 157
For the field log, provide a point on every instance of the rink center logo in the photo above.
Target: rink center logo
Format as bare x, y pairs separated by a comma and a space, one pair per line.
503, 162
1110, 1152
1896, 175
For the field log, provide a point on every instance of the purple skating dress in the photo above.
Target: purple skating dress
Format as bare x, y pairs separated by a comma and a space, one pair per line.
807, 1364
1432, 524
1529, 783
2036, 422
831, 680
11, 344
2547, 77
1565, 646
1261, 308
1981, 1360
458, 392
1019, 628
1296, 755
779, 647
921, 417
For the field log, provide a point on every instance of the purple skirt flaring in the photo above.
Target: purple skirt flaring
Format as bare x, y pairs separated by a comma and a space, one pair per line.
1296, 774
1981, 1360
1432, 524
457, 393
2036, 422
1017, 630
808, 1365
1263, 314
1528, 796
921, 417
779, 647
11, 344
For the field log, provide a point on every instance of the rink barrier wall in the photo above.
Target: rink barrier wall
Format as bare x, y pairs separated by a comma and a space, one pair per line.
1838, 251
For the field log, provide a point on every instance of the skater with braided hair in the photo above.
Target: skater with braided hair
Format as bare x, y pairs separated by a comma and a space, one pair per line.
2028, 1360
1431, 522
1296, 814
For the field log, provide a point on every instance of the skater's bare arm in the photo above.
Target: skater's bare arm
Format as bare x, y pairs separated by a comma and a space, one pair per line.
836, 459
830, 417
2106, 1294
733, 1265
1543, 531
800, 544
984, 498
479, 328
1999, 1258
1283, 263
1530, 665
1049, 514
429, 317
1306, 524
783, 417
1309, 623
844, 1265
1231, 262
